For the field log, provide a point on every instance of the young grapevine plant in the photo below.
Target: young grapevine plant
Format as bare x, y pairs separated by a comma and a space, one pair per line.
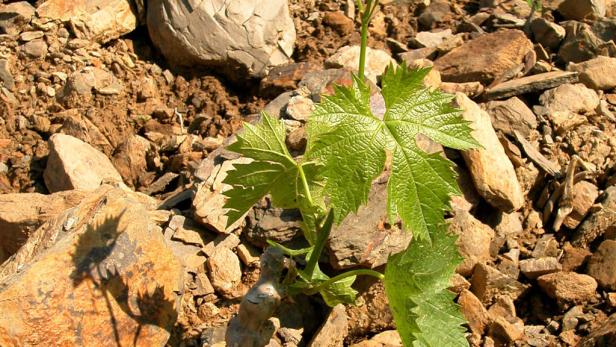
348, 146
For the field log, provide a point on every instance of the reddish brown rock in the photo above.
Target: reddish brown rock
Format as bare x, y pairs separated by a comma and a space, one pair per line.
473, 242
474, 312
602, 265
21, 214
568, 287
99, 275
338, 21
584, 196
485, 58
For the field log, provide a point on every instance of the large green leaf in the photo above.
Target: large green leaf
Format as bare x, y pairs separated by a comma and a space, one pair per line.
416, 283
352, 143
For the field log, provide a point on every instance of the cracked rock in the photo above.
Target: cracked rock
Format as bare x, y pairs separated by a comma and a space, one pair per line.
238, 37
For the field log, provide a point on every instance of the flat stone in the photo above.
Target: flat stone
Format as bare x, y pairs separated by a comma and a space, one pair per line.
99, 20
427, 39
473, 242
511, 114
575, 98
490, 168
599, 222
470, 89
21, 214
484, 58
225, 272
602, 265
597, 73
31, 35
487, 283
533, 268
74, 164
531, 84
300, 108
105, 258
568, 287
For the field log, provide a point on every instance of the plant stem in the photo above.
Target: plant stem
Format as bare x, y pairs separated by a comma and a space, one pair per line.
302, 176
342, 276
322, 235
366, 15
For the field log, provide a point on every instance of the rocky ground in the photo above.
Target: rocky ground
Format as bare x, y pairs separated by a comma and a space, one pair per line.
112, 130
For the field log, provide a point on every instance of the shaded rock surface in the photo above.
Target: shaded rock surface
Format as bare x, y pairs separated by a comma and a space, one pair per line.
243, 36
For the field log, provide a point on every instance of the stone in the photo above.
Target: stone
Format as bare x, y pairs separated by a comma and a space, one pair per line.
15, 16
433, 78
473, 242
130, 159
599, 222
74, 164
284, 78
484, 58
247, 254
503, 330
530, 84
225, 272
472, 309
518, 8
35, 48
438, 11
535, 267
371, 311
334, 330
602, 265
98, 20
603, 335
487, 283
388, 338
338, 21
491, 170
348, 57
240, 38
596, 73
82, 82
574, 258
265, 223
470, 89
511, 114
21, 214
575, 98
580, 9
427, 39
568, 287
366, 238
548, 34
580, 43
5, 75
31, 35
107, 261
208, 204
300, 108
584, 195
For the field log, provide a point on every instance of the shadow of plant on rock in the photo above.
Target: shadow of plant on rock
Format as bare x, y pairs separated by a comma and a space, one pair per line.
106, 257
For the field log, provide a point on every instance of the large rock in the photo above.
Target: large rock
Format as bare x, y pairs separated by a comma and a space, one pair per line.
473, 242
74, 164
485, 58
490, 168
602, 265
574, 98
568, 287
597, 73
580, 9
14, 16
238, 37
99, 20
22, 214
101, 274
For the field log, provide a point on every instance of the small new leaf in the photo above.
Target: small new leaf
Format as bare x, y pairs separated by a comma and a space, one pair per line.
416, 283
352, 143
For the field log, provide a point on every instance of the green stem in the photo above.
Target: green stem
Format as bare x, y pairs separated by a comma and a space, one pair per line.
342, 276
302, 176
366, 15
322, 235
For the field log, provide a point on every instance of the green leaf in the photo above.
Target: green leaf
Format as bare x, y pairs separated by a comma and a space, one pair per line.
338, 292
272, 171
416, 283
352, 143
